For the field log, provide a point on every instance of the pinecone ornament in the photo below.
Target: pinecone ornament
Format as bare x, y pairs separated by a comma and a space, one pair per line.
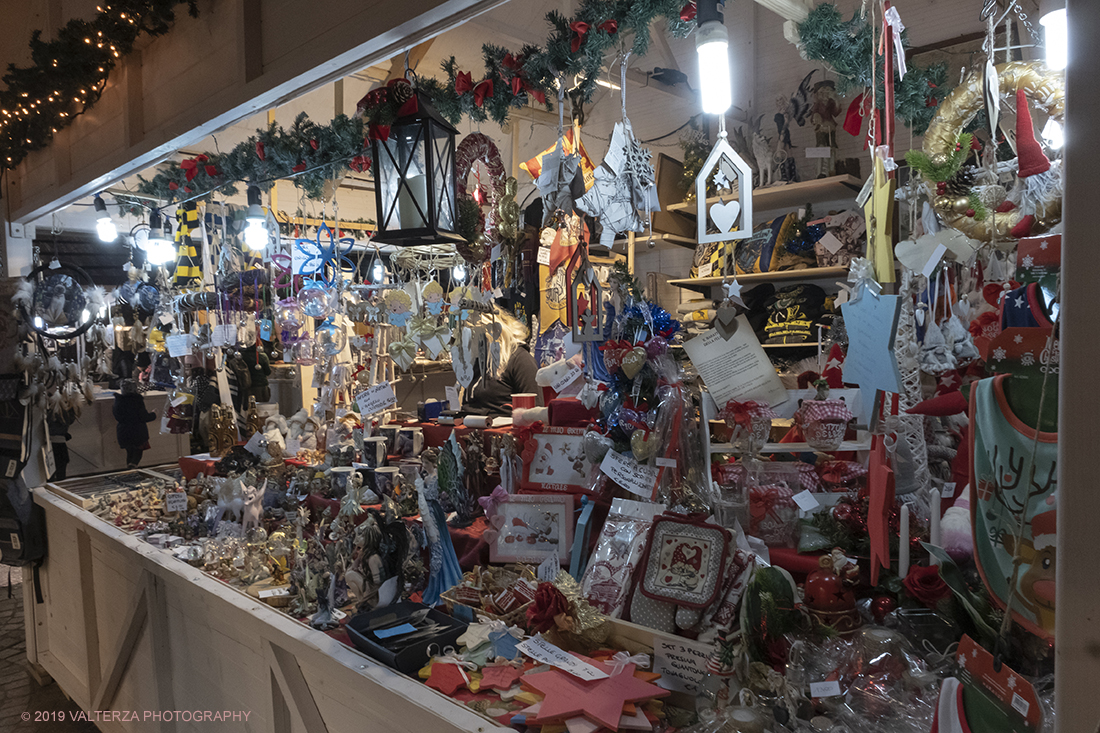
960, 183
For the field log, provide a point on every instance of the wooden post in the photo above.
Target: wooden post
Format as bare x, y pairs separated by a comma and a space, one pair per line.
1077, 625
630, 252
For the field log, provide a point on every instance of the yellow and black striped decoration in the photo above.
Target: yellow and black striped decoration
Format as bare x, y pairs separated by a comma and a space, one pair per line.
188, 261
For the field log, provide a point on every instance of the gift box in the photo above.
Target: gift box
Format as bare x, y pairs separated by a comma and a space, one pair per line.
773, 514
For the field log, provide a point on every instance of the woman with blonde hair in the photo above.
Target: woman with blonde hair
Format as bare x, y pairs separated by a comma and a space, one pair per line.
491, 394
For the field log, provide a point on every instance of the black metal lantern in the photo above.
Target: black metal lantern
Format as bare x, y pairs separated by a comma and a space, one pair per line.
414, 176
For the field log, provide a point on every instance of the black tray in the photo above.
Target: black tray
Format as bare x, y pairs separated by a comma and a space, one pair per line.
412, 658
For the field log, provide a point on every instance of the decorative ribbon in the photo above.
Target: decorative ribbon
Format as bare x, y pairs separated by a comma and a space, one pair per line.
517, 85
492, 501
764, 499
610, 27
894, 24
621, 659
515, 63
853, 118
261, 152
379, 132
861, 274
403, 350
464, 82
360, 164
579, 28
482, 90
687, 13
742, 413
191, 166
450, 655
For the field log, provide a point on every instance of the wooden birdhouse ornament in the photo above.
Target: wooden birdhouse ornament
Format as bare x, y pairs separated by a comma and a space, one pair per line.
586, 303
732, 217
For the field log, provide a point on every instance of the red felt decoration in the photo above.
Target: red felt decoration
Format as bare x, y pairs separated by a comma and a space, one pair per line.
540, 97
600, 701
512, 62
517, 85
447, 678
172, 185
360, 164
880, 481
579, 28
261, 153
482, 90
380, 132
687, 13
853, 119
500, 678
211, 171
299, 168
610, 27
313, 144
464, 82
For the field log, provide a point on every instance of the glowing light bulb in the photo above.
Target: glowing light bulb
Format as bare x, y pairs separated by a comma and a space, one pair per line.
1056, 37
378, 272
712, 48
1054, 134
104, 226
255, 232
459, 273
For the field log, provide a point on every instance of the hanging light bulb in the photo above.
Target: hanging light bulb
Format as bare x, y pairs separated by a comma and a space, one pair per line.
104, 226
378, 272
255, 232
1056, 36
458, 273
712, 46
159, 248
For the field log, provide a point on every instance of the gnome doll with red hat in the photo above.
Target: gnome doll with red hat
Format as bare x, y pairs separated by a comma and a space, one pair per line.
1040, 180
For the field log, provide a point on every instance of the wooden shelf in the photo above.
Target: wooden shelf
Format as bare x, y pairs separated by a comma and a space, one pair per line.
790, 196
641, 239
706, 284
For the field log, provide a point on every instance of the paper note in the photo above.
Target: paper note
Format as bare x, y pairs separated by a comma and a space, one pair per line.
175, 501
737, 368
825, 689
399, 630
375, 399
566, 379
682, 664
179, 344
543, 651
948, 491
626, 472
453, 402
805, 501
549, 568
275, 592
544, 255
706, 270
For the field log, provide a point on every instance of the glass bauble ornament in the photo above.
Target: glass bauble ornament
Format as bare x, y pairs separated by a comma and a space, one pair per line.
330, 338
317, 300
288, 315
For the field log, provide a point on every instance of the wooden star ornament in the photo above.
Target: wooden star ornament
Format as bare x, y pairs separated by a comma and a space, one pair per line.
879, 210
600, 701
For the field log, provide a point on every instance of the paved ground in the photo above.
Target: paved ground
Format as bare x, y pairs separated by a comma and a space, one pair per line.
19, 693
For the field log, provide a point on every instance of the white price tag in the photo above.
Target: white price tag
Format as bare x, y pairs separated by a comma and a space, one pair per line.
375, 399
626, 472
806, 501
453, 402
275, 592
663, 462
549, 568
179, 344
543, 651
255, 444
706, 270
825, 689
566, 379
544, 256
948, 491
1020, 705
682, 664
166, 318
175, 501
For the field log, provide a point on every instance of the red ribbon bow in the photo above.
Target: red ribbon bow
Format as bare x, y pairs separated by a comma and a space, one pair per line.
610, 27
540, 97
764, 499
260, 152
512, 62
687, 13
741, 413
211, 171
380, 132
482, 90
299, 168
360, 164
464, 82
517, 85
190, 168
579, 28
173, 186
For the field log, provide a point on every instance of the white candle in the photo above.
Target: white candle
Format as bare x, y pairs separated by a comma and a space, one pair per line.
934, 528
903, 543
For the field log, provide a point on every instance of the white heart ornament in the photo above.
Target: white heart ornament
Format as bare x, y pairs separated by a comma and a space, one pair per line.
725, 215
914, 254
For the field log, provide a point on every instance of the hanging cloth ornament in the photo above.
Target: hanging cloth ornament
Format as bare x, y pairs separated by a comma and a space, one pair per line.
188, 259
586, 301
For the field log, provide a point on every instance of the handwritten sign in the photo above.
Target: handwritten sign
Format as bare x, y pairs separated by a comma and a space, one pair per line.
682, 664
566, 379
626, 472
179, 344
544, 256
175, 501
543, 651
375, 399
549, 568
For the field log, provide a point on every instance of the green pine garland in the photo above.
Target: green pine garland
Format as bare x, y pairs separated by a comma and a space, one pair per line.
847, 46
68, 74
939, 171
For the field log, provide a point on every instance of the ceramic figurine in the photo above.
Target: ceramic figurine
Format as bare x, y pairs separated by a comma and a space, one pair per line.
253, 505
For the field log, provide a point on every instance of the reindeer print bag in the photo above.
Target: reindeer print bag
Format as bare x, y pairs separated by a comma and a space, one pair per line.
1002, 489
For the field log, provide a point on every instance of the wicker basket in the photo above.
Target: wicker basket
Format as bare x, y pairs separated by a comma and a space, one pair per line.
496, 579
